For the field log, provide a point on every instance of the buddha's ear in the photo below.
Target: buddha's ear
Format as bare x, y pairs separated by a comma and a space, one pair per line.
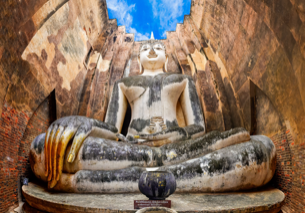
140, 65
165, 65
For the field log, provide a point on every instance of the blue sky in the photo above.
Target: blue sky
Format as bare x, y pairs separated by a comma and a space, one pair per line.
143, 16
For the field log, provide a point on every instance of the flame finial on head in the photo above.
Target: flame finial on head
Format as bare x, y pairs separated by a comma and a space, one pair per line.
152, 36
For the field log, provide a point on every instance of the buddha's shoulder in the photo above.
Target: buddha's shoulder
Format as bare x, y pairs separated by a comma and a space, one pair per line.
175, 78
137, 80
142, 80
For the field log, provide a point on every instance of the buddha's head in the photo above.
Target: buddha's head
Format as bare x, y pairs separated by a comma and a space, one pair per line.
152, 56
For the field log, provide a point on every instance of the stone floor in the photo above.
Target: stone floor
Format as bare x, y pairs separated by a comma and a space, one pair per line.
267, 200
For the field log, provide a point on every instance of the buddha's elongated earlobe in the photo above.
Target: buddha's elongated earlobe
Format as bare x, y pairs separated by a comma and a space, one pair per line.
140, 65
165, 65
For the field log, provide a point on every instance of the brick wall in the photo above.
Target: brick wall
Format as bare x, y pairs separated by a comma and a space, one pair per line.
17, 131
290, 170
12, 126
283, 175
297, 203
39, 123
15, 33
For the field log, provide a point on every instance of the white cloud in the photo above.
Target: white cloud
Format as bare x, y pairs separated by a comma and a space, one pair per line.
122, 11
138, 36
167, 11
141, 37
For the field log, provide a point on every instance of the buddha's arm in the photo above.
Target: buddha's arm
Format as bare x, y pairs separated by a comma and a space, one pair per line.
63, 130
117, 107
192, 110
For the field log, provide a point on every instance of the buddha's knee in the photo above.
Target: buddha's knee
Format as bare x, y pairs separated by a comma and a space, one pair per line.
238, 167
37, 156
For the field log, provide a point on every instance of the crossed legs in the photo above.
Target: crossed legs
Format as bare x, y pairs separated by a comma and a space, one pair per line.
215, 162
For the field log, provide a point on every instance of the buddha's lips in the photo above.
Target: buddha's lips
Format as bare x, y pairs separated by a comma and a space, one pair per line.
152, 56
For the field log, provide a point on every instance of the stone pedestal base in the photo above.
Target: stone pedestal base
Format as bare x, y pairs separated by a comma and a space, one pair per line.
40, 200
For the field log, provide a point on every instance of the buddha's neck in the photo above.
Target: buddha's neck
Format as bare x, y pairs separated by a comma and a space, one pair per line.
152, 72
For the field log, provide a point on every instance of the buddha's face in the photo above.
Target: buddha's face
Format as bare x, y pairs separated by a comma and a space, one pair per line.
152, 56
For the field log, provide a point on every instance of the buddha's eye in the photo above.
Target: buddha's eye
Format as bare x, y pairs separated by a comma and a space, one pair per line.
144, 48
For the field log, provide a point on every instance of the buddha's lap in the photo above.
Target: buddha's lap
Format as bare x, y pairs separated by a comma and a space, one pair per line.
103, 149
95, 152
253, 159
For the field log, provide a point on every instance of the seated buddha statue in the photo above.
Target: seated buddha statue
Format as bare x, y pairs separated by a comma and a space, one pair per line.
84, 155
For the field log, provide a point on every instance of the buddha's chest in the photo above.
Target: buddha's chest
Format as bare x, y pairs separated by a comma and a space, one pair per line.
152, 90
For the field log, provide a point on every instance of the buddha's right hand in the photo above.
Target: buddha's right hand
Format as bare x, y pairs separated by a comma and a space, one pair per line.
61, 132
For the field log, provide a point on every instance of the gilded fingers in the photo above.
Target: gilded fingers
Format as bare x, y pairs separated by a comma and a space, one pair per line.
50, 148
82, 132
62, 145
77, 142
46, 151
57, 139
53, 148
54, 153
58, 142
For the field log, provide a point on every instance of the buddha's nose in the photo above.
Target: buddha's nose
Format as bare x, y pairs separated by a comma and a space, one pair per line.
152, 51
